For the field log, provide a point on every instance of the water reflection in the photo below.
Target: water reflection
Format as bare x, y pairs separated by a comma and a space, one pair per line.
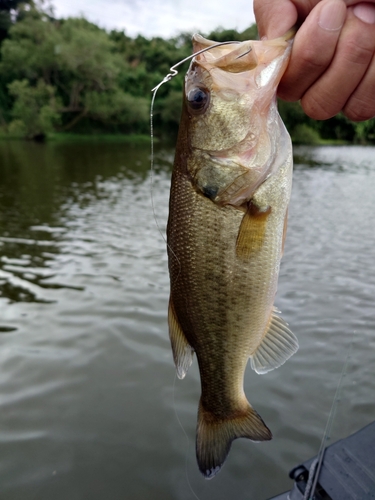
40, 185
334, 158
87, 392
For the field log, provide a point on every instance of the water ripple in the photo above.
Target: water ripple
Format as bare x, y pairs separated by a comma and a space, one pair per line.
87, 393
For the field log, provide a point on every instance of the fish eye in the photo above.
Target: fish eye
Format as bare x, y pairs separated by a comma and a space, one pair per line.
197, 99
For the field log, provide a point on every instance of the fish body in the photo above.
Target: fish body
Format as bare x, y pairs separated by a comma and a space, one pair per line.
229, 198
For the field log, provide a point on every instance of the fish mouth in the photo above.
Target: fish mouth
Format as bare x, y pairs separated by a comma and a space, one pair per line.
242, 78
230, 91
239, 57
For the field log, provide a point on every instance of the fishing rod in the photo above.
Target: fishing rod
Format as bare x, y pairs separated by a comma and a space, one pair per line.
317, 463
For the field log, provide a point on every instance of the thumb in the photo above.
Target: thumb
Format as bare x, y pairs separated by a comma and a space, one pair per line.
274, 17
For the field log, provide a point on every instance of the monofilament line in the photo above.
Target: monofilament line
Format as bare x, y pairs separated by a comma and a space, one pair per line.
167, 78
317, 464
174, 72
187, 440
154, 90
152, 159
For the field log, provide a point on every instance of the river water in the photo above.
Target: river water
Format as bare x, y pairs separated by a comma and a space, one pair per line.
88, 396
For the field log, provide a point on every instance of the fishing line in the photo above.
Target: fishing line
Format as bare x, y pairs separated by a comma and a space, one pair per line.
152, 161
167, 78
187, 439
154, 90
317, 463
174, 72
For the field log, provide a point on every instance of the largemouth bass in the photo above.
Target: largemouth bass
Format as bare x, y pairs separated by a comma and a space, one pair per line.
229, 198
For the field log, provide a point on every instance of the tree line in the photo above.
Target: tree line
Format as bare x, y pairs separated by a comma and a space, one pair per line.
69, 75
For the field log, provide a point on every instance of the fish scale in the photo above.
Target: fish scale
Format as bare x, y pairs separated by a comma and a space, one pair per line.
226, 228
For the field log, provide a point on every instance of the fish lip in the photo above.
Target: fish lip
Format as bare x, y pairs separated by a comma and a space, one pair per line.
217, 57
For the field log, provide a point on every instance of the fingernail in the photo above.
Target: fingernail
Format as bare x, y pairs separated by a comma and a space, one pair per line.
332, 15
365, 12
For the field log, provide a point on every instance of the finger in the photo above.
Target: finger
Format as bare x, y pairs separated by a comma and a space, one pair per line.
313, 48
350, 3
361, 104
354, 52
274, 17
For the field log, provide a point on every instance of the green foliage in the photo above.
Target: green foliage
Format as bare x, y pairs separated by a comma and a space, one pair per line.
85, 55
70, 75
303, 134
223, 35
305, 130
30, 50
251, 33
170, 111
117, 107
364, 131
35, 109
6, 6
79, 63
292, 114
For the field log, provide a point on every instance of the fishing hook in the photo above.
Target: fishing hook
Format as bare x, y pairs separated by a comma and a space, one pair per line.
174, 72
167, 78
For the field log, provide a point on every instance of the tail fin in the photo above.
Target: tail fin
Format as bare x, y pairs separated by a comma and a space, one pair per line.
215, 436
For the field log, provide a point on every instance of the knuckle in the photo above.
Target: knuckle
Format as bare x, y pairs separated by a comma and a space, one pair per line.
319, 108
312, 61
358, 53
358, 110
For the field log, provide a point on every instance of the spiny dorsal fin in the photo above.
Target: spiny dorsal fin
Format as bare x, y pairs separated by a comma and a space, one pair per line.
278, 345
182, 351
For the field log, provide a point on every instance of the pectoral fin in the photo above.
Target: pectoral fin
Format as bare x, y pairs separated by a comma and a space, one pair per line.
278, 345
252, 231
182, 351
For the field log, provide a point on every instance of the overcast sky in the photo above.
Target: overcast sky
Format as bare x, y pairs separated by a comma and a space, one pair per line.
160, 17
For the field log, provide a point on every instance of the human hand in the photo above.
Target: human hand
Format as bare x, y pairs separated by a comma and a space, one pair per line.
332, 66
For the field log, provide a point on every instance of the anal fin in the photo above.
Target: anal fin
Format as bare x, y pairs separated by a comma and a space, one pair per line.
277, 346
182, 351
